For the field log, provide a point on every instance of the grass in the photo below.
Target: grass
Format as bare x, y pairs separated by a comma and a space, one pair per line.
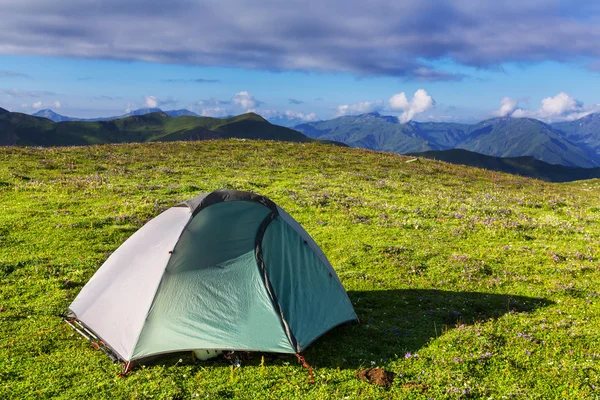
471, 283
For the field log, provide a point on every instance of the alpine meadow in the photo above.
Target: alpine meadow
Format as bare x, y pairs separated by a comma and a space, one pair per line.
468, 283
311, 200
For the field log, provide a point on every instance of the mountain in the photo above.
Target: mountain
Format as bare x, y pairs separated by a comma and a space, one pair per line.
370, 131
27, 130
524, 166
584, 131
500, 137
513, 137
181, 113
51, 115
3, 111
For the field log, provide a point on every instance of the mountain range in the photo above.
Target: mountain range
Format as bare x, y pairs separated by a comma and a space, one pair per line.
53, 116
28, 130
574, 143
524, 166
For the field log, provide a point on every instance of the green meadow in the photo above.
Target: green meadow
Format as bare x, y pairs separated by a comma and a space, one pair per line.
469, 283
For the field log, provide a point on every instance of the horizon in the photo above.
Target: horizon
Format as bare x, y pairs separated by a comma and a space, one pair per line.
441, 62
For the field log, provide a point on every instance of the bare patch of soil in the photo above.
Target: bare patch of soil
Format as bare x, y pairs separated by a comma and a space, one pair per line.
377, 376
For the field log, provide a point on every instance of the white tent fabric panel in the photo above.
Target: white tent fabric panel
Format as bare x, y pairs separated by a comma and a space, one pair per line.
115, 302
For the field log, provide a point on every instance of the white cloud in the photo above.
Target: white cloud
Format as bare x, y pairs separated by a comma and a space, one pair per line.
290, 114
151, 101
245, 100
213, 112
420, 103
507, 107
560, 104
37, 105
562, 107
360, 108
57, 104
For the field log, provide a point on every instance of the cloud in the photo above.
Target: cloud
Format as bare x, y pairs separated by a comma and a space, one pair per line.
420, 103
37, 105
507, 106
290, 114
213, 112
294, 101
425, 74
151, 101
154, 102
562, 107
327, 36
13, 74
246, 101
197, 80
319, 99
57, 104
360, 108
18, 93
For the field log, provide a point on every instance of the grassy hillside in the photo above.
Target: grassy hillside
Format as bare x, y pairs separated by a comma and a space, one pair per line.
27, 130
470, 283
525, 166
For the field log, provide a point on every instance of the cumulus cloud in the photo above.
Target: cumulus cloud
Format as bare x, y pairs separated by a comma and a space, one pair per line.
57, 104
562, 107
151, 101
507, 106
246, 101
37, 105
154, 102
359, 108
266, 35
420, 103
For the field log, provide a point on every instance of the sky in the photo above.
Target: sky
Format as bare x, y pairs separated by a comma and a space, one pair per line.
303, 60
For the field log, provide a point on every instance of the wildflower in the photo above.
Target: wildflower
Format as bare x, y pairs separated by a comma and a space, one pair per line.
408, 355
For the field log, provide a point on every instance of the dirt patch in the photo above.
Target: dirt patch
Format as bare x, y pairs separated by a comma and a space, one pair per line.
377, 376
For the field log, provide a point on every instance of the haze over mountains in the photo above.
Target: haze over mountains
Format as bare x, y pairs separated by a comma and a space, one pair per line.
27, 130
53, 116
575, 143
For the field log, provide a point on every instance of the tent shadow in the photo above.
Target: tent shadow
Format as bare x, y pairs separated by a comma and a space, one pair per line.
394, 322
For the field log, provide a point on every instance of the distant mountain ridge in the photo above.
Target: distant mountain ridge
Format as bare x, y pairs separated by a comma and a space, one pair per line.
55, 117
564, 143
524, 166
27, 130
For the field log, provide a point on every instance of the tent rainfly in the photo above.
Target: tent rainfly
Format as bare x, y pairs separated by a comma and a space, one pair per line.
227, 270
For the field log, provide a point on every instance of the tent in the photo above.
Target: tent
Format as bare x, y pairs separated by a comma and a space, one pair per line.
224, 270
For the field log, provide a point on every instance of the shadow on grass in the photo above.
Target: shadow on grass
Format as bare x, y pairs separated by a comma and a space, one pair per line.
395, 322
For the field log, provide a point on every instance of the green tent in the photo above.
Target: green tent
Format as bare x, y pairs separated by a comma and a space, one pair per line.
227, 270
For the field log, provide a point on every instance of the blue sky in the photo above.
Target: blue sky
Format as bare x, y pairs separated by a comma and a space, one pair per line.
439, 60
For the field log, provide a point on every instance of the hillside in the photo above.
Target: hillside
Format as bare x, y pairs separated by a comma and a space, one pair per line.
470, 283
514, 137
25, 130
500, 137
524, 166
584, 131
